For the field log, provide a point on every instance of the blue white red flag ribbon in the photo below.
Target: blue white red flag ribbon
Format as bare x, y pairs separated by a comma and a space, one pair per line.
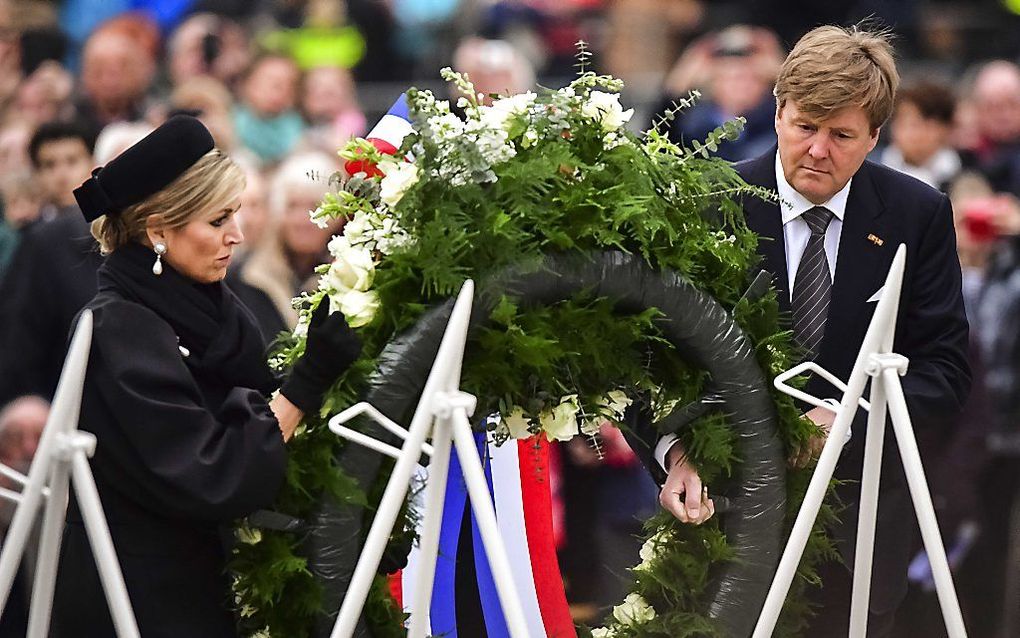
386, 136
518, 476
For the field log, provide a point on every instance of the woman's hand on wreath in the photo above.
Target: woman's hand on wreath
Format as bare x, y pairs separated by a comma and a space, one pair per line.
683, 494
331, 348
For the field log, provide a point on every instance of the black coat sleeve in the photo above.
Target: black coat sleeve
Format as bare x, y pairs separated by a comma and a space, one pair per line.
183, 458
934, 326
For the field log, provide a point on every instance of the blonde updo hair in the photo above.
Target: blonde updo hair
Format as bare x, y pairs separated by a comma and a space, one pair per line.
211, 181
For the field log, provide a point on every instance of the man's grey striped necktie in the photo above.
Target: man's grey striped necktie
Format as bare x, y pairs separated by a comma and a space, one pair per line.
812, 285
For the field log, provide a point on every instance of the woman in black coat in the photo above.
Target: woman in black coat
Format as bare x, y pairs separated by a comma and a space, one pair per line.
177, 390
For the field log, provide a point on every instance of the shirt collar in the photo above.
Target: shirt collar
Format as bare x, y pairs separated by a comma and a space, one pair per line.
792, 204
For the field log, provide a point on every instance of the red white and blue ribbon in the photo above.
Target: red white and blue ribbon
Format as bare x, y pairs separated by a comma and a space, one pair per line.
387, 136
518, 476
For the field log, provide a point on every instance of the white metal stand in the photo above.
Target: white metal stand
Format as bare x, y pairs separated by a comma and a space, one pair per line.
877, 362
443, 412
62, 458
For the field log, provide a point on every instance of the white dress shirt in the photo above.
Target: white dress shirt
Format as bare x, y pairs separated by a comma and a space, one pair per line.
795, 236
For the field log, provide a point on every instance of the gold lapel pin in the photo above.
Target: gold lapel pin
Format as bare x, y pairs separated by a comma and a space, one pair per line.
875, 239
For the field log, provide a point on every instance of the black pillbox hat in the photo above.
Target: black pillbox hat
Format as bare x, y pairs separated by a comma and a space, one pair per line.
145, 168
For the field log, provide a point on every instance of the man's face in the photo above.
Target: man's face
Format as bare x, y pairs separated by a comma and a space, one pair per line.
820, 156
62, 166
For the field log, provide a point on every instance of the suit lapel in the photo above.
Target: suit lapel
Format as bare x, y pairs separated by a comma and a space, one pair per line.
860, 264
764, 218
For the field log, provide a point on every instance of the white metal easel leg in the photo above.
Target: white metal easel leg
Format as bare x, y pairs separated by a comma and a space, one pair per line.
62, 458
876, 360
868, 512
923, 507
443, 411
432, 522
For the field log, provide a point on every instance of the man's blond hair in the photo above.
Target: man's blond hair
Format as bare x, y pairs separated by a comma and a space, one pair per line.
832, 68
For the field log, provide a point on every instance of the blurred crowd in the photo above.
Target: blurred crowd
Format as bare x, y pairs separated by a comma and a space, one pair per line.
282, 84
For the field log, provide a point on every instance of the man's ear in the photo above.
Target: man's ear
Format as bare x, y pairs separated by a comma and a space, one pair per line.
154, 229
874, 138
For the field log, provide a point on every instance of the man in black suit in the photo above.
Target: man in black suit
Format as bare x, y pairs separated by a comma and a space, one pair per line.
829, 245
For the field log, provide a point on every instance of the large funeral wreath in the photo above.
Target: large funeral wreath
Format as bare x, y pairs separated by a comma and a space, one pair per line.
566, 220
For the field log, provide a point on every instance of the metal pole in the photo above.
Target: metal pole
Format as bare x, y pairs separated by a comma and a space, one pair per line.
867, 517
435, 497
922, 505
485, 514
102, 544
444, 377
49, 550
63, 417
382, 525
879, 331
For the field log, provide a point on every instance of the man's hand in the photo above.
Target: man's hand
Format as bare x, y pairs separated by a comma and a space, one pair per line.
810, 450
683, 495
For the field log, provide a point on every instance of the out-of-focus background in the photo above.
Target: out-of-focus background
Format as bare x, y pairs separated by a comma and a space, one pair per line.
282, 84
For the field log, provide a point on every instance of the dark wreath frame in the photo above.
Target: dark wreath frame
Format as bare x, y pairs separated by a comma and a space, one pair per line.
703, 332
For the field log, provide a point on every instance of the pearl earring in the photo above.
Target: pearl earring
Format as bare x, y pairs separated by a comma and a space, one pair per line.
160, 248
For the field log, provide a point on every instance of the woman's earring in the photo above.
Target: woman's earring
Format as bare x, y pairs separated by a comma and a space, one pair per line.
160, 248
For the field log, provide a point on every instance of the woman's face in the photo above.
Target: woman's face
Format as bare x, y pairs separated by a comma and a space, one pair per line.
201, 249
300, 236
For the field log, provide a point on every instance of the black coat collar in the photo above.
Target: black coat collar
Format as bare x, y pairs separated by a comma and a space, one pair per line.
860, 264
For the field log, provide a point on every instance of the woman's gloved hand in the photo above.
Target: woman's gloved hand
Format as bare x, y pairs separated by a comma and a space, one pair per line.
330, 349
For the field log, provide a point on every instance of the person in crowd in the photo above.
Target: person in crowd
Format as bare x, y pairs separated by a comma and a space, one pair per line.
329, 103
494, 67
735, 69
833, 237
45, 95
996, 102
116, 73
116, 138
61, 154
211, 102
283, 265
21, 426
10, 52
22, 199
56, 256
206, 44
254, 213
14, 138
266, 119
178, 391
921, 126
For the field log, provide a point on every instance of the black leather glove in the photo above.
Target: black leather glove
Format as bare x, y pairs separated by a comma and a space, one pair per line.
330, 349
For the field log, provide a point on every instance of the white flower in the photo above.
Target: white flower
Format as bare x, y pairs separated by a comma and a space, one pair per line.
602, 632
633, 610
518, 423
353, 269
357, 230
605, 108
651, 549
358, 307
398, 177
301, 329
591, 427
318, 217
506, 109
560, 423
614, 404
